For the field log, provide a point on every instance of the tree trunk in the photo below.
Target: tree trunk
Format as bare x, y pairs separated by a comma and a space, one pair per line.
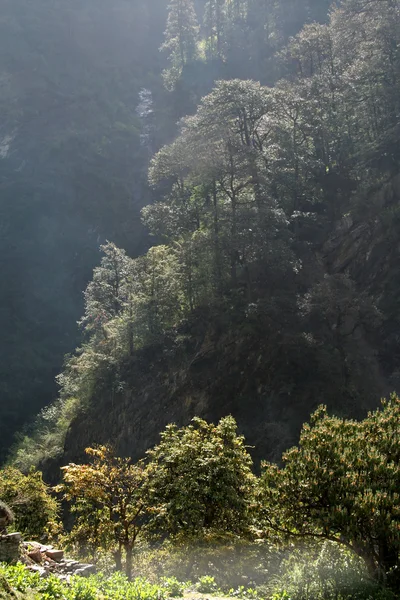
233, 243
128, 561
217, 252
118, 558
130, 330
388, 560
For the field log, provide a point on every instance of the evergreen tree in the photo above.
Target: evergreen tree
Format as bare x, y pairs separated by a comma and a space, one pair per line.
214, 26
181, 36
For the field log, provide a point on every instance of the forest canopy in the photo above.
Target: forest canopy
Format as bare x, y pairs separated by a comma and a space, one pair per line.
236, 164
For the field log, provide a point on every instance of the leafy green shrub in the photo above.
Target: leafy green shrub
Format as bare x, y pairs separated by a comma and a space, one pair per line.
213, 486
206, 584
232, 564
281, 596
83, 589
116, 587
342, 483
35, 510
325, 572
173, 587
243, 592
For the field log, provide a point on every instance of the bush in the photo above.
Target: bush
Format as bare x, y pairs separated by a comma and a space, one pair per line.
44, 439
173, 587
324, 572
232, 565
206, 585
35, 510
212, 492
96, 587
342, 483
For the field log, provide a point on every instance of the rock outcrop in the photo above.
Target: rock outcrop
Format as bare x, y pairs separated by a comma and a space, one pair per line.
45, 559
42, 559
10, 547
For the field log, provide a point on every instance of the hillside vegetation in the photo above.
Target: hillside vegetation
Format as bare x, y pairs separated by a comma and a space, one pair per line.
239, 174
192, 516
272, 281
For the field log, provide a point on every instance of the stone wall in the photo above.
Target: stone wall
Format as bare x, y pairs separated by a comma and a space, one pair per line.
10, 547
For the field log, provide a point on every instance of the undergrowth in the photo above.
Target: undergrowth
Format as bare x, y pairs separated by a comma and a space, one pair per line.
320, 572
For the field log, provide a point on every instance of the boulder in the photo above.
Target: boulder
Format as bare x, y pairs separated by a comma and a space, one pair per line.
9, 547
37, 569
56, 555
35, 555
31, 544
85, 570
71, 565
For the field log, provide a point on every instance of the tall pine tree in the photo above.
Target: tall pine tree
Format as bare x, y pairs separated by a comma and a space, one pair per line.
181, 36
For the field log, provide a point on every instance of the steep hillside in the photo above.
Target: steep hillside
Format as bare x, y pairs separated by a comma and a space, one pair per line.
74, 151
272, 283
257, 366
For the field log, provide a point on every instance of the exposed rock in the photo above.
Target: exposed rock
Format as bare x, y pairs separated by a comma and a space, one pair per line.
70, 565
6, 517
43, 572
85, 571
42, 559
31, 544
10, 547
56, 555
35, 555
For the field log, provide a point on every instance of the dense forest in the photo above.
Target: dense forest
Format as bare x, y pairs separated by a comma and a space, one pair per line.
200, 238
245, 202
84, 106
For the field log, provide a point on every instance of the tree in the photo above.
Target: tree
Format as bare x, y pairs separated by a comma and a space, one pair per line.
214, 24
180, 38
342, 484
201, 484
106, 294
35, 509
219, 178
157, 293
108, 499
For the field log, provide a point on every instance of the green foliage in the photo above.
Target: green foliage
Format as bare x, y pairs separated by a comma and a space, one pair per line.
95, 587
72, 157
35, 510
6, 516
173, 587
44, 439
324, 572
247, 197
206, 584
119, 587
180, 38
196, 483
109, 500
22, 580
237, 565
341, 483
201, 482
